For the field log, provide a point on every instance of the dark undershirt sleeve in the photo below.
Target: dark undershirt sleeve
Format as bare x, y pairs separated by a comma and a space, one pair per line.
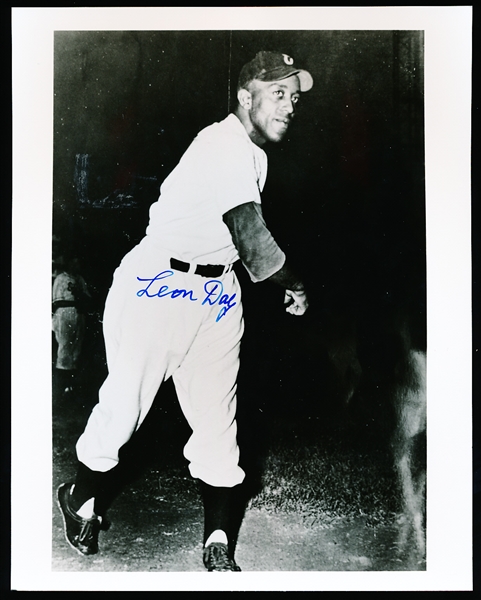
258, 250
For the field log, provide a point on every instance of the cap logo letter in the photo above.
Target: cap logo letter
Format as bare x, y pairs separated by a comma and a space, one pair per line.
288, 60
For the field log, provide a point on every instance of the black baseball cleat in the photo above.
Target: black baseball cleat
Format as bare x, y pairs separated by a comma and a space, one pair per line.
216, 558
81, 534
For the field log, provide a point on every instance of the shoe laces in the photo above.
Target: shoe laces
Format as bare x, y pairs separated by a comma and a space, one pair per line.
87, 531
216, 558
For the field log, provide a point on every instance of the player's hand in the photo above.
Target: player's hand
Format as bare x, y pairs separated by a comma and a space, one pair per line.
296, 302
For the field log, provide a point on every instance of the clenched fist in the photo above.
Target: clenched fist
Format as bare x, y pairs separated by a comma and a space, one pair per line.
296, 302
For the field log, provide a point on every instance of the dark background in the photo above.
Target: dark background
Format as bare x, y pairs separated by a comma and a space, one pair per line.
345, 191
344, 195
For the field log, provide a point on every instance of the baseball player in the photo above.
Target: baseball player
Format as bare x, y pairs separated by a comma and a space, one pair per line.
174, 308
70, 295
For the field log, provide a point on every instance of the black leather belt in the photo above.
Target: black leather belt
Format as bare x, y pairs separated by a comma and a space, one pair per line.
202, 270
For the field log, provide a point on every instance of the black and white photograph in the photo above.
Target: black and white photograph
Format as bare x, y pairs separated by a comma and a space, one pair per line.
240, 313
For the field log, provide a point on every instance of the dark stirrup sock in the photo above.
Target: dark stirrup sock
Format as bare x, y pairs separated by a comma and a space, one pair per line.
94, 484
217, 508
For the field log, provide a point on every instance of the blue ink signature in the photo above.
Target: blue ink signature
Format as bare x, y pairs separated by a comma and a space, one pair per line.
213, 292
164, 289
214, 296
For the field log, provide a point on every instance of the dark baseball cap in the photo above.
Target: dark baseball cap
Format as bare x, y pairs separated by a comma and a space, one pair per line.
273, 66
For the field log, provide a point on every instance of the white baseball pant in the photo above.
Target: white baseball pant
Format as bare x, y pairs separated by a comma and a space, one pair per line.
169, 324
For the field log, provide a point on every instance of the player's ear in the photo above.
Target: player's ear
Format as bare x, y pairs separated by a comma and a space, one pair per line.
245, 98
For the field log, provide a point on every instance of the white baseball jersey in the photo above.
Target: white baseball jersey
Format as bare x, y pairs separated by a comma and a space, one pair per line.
220, 170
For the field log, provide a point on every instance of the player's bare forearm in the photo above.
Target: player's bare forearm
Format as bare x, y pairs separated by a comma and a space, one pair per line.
286, 278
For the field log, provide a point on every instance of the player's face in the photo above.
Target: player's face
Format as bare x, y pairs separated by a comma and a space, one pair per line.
272, 108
